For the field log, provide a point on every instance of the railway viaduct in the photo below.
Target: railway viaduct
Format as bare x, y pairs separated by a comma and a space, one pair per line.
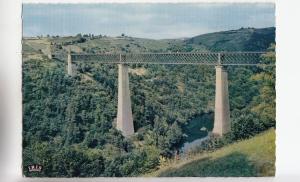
218, 59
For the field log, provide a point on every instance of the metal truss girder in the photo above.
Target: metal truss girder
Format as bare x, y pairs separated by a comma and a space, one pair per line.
201, 58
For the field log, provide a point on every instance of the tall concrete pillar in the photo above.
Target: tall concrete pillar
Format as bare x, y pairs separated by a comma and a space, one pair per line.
124, 116
50, 51
69, 66
222, 114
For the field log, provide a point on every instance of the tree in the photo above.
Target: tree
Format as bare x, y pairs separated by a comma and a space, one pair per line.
264, 104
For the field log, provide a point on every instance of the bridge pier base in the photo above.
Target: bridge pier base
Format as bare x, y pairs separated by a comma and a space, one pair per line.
222, 114
124, 115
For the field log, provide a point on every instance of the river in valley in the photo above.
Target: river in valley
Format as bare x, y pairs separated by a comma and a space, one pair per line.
197, 131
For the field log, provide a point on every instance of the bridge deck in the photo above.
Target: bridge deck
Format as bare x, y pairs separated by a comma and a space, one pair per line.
202, 58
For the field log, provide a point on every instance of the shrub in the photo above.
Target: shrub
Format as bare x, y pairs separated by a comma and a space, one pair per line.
245, 125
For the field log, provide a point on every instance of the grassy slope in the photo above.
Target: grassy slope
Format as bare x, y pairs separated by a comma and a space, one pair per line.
252, 157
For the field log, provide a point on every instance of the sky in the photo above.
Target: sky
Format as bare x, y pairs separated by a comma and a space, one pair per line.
155, 21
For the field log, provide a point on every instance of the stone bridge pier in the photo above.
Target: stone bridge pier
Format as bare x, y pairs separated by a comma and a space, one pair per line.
49, 51
222, 114
124, 115
69, 65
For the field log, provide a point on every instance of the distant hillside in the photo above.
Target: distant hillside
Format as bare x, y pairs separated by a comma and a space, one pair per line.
244, 39
252, 157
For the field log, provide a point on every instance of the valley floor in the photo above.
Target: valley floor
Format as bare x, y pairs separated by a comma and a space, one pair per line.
251, 157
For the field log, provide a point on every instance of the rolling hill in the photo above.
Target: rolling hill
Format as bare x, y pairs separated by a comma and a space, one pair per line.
244, 39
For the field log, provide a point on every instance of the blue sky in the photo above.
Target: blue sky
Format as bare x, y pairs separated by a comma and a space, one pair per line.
156, 21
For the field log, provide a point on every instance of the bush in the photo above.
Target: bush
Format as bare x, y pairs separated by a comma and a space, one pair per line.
245, 125
213, 143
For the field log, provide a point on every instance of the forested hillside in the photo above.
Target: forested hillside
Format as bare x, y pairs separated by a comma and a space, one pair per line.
69, 122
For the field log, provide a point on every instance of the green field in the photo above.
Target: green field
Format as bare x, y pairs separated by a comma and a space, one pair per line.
252, 157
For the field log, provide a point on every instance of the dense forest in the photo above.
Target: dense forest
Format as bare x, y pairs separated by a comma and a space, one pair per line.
69, 122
